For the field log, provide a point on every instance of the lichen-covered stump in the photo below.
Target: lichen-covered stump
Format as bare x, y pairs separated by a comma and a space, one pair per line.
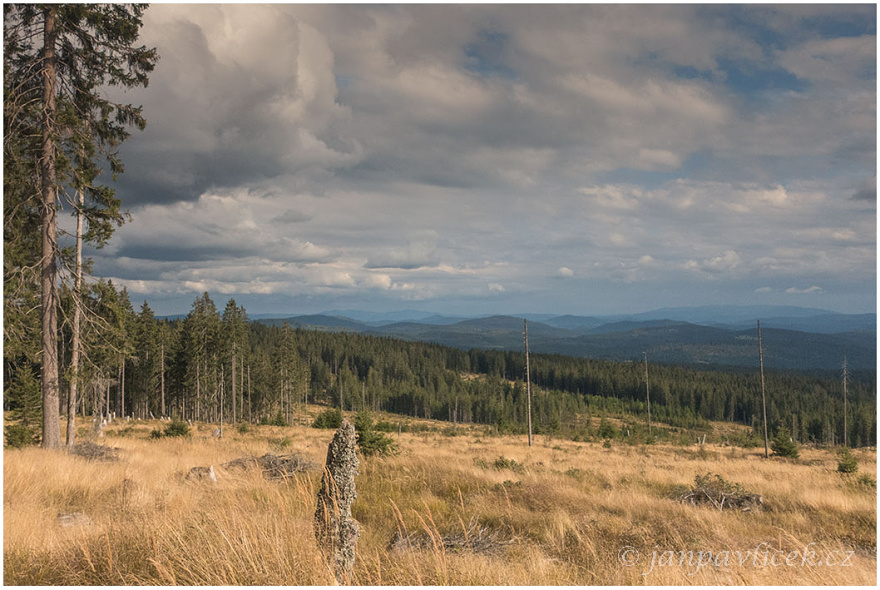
337, 532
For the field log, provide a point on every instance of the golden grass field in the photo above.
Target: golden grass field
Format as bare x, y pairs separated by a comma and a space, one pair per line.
558, 513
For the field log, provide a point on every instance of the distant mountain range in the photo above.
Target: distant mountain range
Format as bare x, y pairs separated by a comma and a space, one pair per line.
794, 337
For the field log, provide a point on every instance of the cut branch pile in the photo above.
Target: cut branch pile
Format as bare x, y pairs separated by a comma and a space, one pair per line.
476, 538
94, 452
721, 494
273, 466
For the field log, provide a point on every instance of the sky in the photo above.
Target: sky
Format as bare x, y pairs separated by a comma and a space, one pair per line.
481, 159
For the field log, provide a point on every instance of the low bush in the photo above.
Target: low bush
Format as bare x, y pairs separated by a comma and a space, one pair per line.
177, 428
606, 429
330, 418
783, 445
505, 463
19, 436
385, 426
847, 462
369, 440
278, 420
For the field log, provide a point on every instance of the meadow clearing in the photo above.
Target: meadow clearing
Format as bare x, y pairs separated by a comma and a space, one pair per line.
453, 507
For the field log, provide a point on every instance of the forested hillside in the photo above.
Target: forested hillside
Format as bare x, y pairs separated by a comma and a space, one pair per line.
214, 361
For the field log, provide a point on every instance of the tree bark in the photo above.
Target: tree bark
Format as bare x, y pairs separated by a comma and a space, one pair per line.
162, 379
48, 267
77, 311
234, 399
528, 378
763, 395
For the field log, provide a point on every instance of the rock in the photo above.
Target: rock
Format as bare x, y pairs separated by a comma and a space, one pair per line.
202, 474
73, 519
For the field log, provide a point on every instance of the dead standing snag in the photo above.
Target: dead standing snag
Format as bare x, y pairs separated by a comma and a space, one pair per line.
337, 532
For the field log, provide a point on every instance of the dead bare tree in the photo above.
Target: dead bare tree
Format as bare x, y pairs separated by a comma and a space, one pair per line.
845, 433
528, 378
763, 395
648, 395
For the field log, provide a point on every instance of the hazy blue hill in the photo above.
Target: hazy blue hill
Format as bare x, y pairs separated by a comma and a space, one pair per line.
509, 327
326, 322
821, 324
729, 314
442, 320
628, 326
379, 317
574, 322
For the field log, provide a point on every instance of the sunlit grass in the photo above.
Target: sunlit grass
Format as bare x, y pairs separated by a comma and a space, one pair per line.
556, 513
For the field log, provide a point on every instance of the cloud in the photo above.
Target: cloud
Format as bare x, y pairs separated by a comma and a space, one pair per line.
808, 290
563, 272
425, 152
228, 108
867, 192
292, 216
840, 60
421, 251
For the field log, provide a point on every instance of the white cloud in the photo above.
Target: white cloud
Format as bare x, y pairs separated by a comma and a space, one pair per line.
563, 272
378, 281
808, 290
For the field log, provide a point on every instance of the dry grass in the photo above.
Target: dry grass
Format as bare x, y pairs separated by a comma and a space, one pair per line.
557, 513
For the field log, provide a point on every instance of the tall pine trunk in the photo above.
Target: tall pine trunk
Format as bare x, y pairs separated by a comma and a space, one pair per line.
77, 311
48, 268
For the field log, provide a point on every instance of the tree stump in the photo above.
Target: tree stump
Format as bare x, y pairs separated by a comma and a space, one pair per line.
336, 531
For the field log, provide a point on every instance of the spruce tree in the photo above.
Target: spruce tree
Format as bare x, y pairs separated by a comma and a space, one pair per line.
60, 127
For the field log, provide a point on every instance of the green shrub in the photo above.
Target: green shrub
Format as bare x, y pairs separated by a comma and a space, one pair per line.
177, 428
279, 444
606, 429
384, 426
783, 445
371, 442
481, 463
866, 481
19, 436
330, 418
504, 463
847, 462
278, 420
244, 428
156, 433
